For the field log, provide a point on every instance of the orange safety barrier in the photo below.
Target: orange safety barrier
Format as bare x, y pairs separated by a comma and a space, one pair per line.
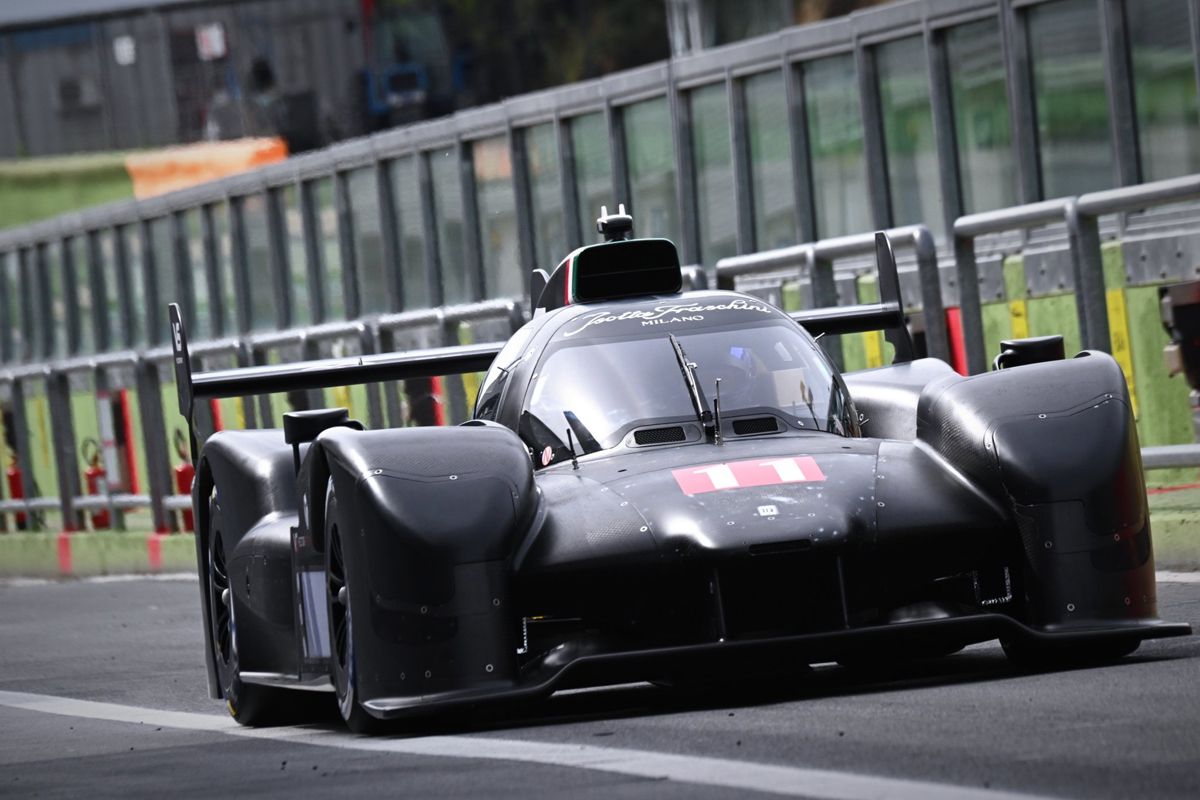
158, 171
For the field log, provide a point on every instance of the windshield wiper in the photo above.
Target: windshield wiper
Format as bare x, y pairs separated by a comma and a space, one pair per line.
699, 403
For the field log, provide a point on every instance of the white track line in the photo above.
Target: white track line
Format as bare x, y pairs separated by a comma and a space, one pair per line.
700, 770
1178, 577
1163, 576
160, 577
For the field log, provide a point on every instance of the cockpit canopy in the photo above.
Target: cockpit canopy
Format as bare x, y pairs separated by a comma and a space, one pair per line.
611, 371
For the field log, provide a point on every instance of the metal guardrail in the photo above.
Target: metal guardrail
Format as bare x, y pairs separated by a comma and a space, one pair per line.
1081, 216
816, 260
1169, 456
378, 334
966, 230
148, 366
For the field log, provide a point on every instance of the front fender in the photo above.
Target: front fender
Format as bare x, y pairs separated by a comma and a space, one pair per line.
429, 519
1056, 444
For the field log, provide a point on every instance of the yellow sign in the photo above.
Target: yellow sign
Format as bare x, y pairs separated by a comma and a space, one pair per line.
873, 344
1018, 316
341, 398
1118, 332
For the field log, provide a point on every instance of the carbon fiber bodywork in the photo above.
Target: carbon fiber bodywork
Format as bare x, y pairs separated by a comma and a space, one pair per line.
480, 566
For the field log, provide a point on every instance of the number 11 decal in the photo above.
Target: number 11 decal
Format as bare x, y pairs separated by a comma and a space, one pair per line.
747, 474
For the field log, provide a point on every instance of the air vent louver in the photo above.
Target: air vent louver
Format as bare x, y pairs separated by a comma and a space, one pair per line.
745, 427
671, 433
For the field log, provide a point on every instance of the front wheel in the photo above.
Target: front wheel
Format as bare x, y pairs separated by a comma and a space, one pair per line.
247, 703
341, 624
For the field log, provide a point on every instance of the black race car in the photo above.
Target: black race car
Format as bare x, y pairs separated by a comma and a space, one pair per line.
665, 486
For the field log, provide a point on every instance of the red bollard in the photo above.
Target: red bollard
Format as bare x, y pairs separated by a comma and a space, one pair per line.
16, 489
185, 473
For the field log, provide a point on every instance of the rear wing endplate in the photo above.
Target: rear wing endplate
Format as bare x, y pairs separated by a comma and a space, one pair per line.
886, 315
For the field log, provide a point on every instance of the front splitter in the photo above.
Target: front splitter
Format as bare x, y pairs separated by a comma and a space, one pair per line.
573, 667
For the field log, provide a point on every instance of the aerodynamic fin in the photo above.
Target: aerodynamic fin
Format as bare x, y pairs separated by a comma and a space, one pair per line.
886, 315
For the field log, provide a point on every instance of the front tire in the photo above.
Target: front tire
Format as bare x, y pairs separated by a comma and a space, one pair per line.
249, 704
341, 625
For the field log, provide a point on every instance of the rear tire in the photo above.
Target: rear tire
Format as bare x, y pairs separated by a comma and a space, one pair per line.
341, 626
249, 704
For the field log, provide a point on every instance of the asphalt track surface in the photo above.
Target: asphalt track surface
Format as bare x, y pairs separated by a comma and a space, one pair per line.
102, 693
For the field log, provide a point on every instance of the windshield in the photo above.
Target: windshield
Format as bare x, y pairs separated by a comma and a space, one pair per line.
601, 390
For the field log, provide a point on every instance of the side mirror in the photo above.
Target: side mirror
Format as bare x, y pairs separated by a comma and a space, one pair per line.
1018, 352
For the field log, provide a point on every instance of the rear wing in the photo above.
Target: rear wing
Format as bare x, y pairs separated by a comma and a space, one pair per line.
319, 374
886, 315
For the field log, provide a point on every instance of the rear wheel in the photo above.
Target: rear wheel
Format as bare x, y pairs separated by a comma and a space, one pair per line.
247, 703
341, 625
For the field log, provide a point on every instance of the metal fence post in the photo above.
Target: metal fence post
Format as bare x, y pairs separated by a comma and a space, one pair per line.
1091, 304
568, 189
368, 335
456, 396
433, 254
310, 350
181, 263
346, 234
615, 120
70, 281
103, 336
824, 293
314, 256
802, 186
212, 270
391, 397
24, 452
476, 272
154, 437
62, 434
278, 257
155, 332
940, 99
970, 306
1014, 41
24, 459
101, 384
743, 174
679, 111
389, 236
523, 200
1119, 79
258, 356
245, 358
47, 332
874, 146
1194, 29
239, 253
937, 340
